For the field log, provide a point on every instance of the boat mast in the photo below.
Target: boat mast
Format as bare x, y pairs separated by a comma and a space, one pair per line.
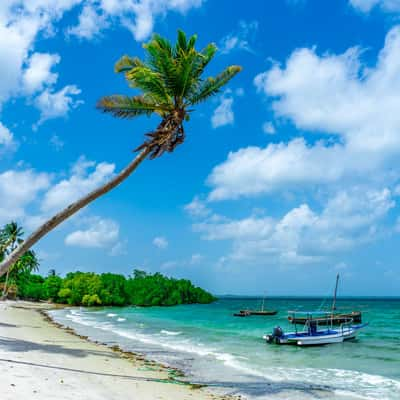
335, 294
262, 306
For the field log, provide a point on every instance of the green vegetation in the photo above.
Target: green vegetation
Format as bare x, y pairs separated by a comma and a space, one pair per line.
90, 289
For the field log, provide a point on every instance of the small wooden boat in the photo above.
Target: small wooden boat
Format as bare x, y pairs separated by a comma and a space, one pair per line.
333, 317
262, 312
311, 335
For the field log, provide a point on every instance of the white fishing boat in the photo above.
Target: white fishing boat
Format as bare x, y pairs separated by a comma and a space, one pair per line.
312, 335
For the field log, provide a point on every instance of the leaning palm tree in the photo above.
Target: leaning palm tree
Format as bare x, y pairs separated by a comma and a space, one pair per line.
171, 82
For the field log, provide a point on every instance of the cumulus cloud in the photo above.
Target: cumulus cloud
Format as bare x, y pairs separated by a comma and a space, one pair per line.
18, 189
20, 24
136, 15
338, 94
303, 235
38, 72
7, 142
85, 176
198, 208
160, 242
367, 5
99, 233
223, 114
240, 39
90, 24
355, 106
57, 104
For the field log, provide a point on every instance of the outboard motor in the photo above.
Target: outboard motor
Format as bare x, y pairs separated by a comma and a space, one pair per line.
276, 335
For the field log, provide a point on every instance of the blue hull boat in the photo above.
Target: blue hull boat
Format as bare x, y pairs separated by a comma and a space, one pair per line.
311, 335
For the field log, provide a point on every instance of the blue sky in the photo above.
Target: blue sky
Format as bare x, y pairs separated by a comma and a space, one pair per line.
287, 177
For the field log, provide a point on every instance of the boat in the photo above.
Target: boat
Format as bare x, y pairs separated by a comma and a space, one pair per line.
311, 335
262, 312
335, 318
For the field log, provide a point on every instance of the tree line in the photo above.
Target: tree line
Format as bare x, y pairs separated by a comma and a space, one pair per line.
89, 288
108, 289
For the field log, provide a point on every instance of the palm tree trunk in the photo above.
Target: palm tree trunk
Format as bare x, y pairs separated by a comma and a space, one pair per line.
70, 210
4, 294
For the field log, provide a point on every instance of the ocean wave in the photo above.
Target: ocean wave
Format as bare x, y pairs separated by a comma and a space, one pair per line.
111, 315
121, 319
170, 333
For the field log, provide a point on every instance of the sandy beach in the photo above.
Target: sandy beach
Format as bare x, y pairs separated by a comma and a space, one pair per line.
41, 361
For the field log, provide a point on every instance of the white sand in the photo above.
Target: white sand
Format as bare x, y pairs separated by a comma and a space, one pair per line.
41, 361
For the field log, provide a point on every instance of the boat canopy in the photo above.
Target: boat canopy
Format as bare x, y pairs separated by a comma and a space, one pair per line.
311, 313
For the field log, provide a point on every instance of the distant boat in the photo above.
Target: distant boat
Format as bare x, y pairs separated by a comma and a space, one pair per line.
262, 312
311, 335
335, 318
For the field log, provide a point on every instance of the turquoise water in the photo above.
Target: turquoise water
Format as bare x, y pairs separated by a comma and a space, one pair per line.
227, 352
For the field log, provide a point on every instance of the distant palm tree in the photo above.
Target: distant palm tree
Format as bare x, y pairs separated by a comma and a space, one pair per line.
171, 81
10, 237
25, 265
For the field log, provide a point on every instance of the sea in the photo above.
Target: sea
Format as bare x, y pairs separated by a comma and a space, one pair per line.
228, 354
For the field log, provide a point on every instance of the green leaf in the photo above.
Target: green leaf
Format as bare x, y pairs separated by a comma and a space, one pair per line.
129, 107
213, 85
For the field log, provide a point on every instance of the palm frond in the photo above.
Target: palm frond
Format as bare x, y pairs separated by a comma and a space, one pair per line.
126, 63
129, 107
212, 85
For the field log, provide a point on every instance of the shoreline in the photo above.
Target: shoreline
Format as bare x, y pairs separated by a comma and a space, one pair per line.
140, 377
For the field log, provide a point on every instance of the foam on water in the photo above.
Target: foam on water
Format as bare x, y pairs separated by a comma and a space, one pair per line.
170, 333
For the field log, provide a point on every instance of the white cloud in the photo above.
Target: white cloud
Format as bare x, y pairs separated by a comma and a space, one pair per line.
38, 72
239, 39
337, 94
7, 142
18, 189
85, 176
354, 105
197, 208
269, 128
20, 23
90, 24
160, 242
223, 114
136, 15
302, 235
57, 104
367, 5
99, 233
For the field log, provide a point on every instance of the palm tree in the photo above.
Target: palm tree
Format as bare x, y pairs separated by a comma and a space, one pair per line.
24, 266
171, 83
10, 237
